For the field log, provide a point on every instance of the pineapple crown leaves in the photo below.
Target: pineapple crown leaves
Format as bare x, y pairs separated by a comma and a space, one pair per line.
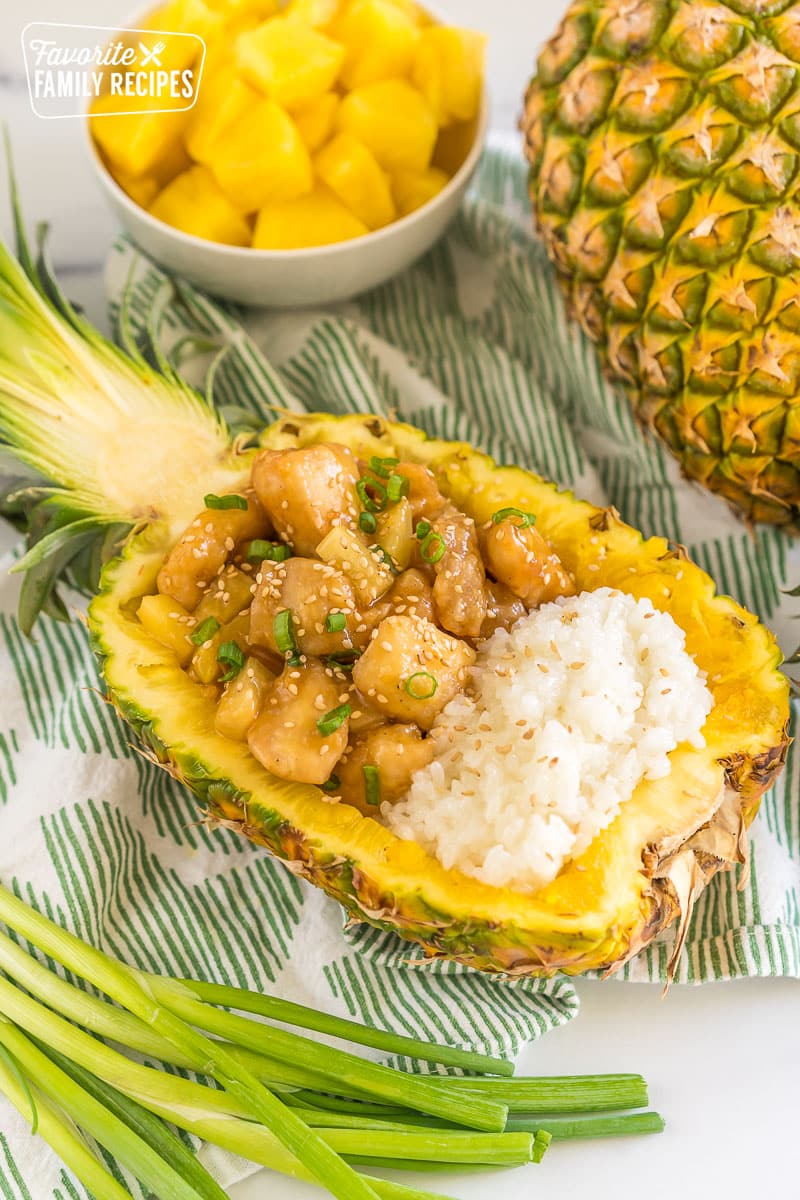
71, 404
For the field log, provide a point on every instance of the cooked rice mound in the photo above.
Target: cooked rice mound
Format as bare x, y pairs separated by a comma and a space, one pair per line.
569, 711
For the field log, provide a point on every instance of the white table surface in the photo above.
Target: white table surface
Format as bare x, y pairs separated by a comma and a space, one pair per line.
723, 1060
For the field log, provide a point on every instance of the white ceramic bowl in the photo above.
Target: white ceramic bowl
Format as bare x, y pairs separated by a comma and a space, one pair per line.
294, 278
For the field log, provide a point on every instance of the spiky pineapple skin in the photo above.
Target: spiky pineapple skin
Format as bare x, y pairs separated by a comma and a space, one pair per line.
664, 144
352, 866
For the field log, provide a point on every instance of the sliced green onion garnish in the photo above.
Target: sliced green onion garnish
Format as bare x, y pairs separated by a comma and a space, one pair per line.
421, 685
372, 785
367, 522
332, 784
372, 494
396, 487
204, 631
343, 662
385, 557
525, 519
283, 632
432, 548
334, 719
382, 466
231, 500
273, 551
422, 530
230, 654
335, 622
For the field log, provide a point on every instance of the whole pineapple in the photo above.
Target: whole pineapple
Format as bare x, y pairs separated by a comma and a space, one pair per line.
664, 142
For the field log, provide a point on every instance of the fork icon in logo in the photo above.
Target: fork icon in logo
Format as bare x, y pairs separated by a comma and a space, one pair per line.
151, 55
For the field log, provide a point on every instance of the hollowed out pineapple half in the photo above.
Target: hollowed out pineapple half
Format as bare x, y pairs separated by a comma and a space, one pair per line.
664, 142
125, 457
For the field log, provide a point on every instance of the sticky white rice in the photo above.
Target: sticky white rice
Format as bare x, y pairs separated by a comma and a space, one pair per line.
567, 713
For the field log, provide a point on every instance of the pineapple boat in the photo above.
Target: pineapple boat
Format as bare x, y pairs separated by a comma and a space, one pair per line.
663, 140
472, 708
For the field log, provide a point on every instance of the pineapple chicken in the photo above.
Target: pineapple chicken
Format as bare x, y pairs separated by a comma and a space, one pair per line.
663, 142
294, 747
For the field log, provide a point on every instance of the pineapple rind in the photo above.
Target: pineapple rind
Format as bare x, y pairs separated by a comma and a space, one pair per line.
663, 145
635, 879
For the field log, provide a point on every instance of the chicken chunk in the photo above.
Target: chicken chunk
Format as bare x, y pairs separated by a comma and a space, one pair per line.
312, 592
395, 751
411, 669
504, 609
410, 594
423, 491
307, 492
206, 546
459, 589
518, 556
286, 738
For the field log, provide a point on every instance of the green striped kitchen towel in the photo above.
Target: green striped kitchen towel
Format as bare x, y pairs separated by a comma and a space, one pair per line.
470, 343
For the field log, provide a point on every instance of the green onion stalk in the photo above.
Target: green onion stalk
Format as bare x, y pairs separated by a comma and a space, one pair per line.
281, 1099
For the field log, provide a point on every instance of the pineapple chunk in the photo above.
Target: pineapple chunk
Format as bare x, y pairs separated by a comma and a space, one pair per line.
453, 145
448, 70
379, 39
413, 11
395, 533
412, 189
315, 123
245, 10
206, 667
291, 64
318, 219
169, 623
185, 16
242, 700
352, 173
142, 189
195, 203
393, 120
136, 143
223, 99
317, 14
262, 158
368, 573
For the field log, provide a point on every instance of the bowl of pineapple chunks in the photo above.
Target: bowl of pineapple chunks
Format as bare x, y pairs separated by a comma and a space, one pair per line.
329, 147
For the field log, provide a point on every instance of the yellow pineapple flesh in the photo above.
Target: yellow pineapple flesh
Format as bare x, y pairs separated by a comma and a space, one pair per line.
352, 173
317, 219
290, 63
195, 203
394, 121
379, 39
262, 158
